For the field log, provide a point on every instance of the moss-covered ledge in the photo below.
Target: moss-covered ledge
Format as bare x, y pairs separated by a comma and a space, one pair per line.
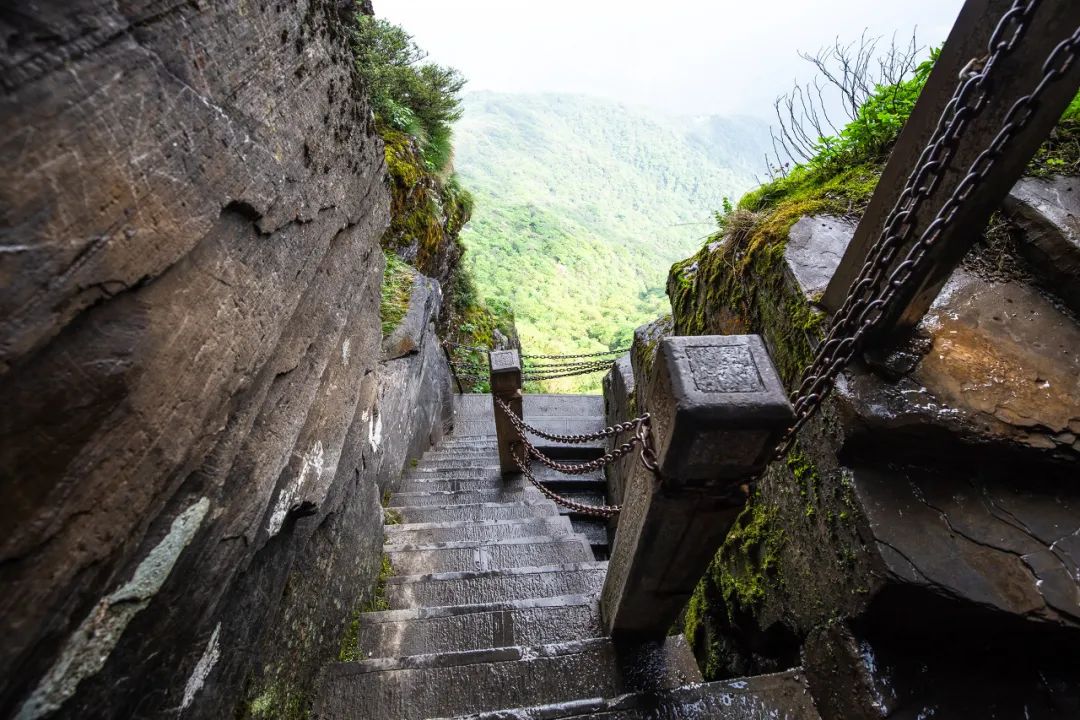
738, 282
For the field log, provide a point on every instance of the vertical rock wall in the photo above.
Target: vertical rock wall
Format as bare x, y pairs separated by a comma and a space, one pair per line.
191, 452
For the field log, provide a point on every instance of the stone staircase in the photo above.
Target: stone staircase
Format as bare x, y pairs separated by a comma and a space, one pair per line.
493, 605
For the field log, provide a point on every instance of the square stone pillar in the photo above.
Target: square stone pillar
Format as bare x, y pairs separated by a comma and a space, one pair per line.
506, 385
718, 408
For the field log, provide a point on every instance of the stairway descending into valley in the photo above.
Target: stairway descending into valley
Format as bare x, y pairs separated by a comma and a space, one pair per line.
493, 605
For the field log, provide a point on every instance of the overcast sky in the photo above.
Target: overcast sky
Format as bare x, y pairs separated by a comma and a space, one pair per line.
679, 56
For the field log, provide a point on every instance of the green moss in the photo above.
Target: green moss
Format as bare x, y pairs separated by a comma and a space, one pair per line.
350, 639
398, 279
275, 703
699, 634
391, 517
736, 283
1060, 154
378, 602
747, 561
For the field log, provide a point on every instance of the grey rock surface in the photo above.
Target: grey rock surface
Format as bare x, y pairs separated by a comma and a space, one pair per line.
424, 304
197, 431
814, 248
994, 542
1048, 211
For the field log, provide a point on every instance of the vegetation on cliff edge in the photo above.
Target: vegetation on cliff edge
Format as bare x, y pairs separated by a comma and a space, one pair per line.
415, 103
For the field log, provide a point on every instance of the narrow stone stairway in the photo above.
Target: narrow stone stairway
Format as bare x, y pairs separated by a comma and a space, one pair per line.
493, 602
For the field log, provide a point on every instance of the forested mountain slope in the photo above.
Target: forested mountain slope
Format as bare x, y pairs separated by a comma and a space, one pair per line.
582, 204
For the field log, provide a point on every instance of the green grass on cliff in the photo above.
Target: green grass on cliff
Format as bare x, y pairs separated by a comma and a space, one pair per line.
398, 279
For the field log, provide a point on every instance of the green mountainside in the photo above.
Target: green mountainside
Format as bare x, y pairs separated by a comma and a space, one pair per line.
583, 204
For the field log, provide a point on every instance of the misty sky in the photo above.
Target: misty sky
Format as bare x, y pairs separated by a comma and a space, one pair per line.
679, 56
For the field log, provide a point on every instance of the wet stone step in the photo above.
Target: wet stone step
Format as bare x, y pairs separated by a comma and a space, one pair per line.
428, 533
475, 511
465, 481
783, 696
444, 498
466, 588
586, 498
398, 633
595, 531
419, 481
451, 463
494, 555
448, 684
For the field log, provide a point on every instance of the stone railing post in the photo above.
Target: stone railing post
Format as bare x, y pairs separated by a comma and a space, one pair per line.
506, 385
718, 407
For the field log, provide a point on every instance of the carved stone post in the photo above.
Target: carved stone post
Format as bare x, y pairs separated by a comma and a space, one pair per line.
718, 408
506, 385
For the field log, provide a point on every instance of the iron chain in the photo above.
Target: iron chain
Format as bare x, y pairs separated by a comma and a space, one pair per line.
601, 511
871, 292
614, 430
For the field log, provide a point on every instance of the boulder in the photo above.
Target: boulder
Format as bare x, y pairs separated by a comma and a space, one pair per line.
998, 371
1048, 214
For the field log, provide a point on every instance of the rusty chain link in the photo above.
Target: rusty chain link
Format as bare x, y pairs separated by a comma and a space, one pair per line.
601, 511
871, 292
642, 439
581, 355
616, 429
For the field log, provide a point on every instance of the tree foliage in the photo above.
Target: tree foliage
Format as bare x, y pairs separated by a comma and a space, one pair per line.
408, 93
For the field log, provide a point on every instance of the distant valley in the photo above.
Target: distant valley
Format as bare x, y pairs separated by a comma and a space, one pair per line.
582, 204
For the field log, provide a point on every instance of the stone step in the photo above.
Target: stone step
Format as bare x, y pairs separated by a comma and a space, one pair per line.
491, 555
536, 621
780, 696
488, 455
419, 481
593, 529
588, 498
446, 498
475, 511
457, 463
448, 684
428, 533
475, 441
465, 588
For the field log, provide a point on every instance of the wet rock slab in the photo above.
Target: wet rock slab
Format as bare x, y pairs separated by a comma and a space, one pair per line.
996, 541
999, 365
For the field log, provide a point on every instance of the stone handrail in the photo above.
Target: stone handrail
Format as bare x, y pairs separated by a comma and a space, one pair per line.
717, 407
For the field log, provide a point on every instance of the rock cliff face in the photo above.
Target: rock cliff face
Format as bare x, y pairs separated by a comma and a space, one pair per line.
197, 429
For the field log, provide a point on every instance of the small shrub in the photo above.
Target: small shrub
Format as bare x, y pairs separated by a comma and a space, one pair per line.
407, 93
